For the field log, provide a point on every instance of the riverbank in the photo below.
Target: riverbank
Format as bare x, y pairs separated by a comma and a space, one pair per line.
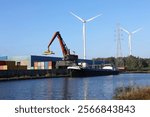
53, 73
6, 75
32, 74
132, 93
33, 77
137, 71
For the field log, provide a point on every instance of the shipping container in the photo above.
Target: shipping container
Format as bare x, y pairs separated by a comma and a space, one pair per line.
21, 67
35, 64
2, 63
3, 67
31, 59
42, 65
11, 65
53, 65
39, 64
35, 67
50, 63
45, 65
49, 67
24, 62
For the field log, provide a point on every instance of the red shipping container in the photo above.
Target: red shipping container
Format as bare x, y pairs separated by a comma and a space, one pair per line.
50, 63
2, 63
1, 67
35, 64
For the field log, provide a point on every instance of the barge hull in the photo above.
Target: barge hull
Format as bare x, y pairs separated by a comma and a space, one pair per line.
90, 72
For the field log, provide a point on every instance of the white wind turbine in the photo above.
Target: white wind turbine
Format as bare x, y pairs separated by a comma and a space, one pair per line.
130, 38
84, 30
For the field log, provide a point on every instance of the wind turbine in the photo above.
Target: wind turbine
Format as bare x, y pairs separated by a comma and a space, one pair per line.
130, 34
84, 29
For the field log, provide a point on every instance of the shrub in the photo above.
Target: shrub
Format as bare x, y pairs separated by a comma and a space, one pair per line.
132, 93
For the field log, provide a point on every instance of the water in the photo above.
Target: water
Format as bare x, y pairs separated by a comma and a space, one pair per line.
91, 88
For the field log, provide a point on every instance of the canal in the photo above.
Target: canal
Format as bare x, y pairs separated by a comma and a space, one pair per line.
90, 88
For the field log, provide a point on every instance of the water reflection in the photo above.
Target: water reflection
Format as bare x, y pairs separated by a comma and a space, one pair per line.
70, 88
85, 89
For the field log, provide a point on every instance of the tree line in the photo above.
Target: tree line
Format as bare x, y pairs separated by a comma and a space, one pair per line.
130, 63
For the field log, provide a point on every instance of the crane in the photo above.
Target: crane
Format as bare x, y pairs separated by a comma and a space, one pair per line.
66, 52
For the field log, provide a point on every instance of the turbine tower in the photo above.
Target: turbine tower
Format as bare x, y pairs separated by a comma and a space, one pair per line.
84, 29
130, 34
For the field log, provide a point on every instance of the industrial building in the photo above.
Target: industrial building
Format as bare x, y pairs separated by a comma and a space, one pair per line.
33, 61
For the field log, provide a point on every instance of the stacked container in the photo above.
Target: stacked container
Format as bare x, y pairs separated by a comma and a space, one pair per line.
35, 65
44, 65
50, 65
3, 67
10, 65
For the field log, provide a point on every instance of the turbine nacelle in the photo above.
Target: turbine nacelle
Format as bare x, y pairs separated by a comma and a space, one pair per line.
84, 21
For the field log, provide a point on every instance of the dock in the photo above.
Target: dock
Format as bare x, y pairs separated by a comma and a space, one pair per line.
6, 75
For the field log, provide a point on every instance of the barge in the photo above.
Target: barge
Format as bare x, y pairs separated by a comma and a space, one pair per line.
79, 71
91, 72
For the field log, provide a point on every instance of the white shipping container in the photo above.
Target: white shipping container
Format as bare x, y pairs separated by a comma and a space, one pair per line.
42, 65
5, 67
24, 62
39, 64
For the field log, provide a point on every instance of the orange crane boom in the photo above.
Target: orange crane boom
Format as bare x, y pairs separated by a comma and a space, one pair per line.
65, 50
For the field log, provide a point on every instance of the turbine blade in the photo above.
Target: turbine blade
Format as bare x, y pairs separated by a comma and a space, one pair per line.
125, 30
77, 17
137, 30
93, 18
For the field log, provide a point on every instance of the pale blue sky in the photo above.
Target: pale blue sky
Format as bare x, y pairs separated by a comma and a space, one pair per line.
26, 26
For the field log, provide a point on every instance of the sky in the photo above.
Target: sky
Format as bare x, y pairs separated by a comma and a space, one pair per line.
26, 26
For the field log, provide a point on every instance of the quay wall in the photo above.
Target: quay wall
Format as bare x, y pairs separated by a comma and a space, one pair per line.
30, 74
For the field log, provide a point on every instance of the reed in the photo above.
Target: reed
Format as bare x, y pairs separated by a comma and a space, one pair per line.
132, 93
